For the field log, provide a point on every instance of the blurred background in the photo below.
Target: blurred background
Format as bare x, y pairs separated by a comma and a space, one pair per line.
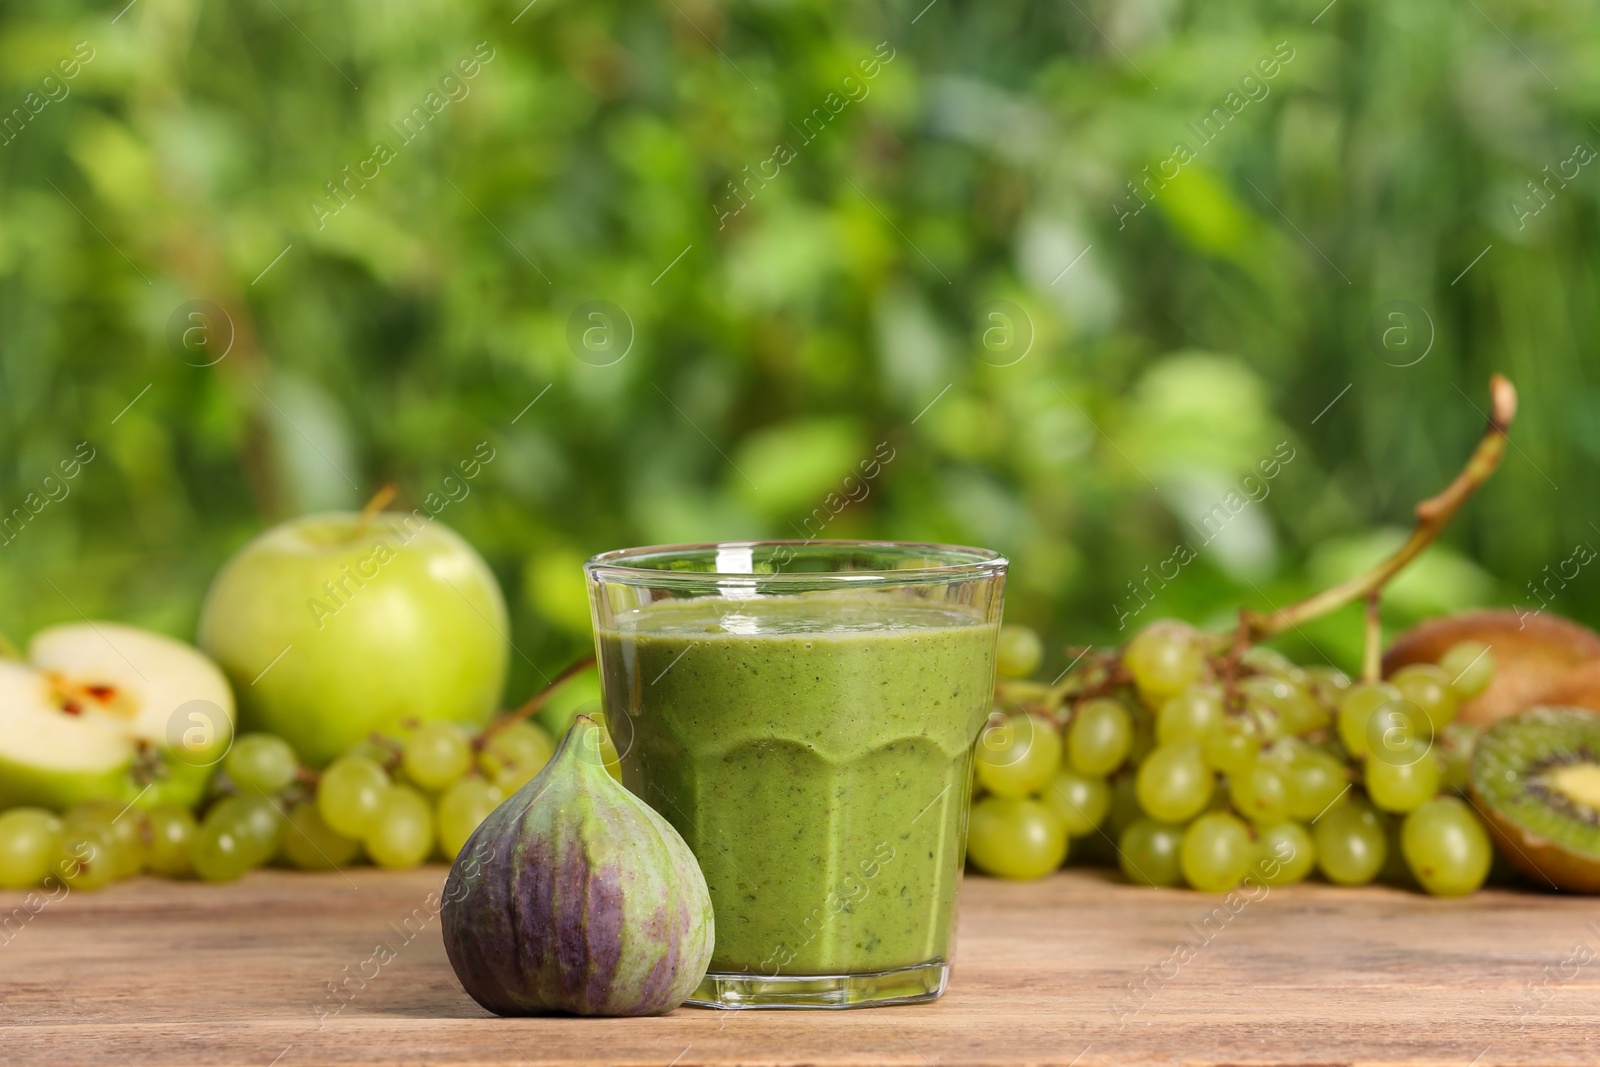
1181, 306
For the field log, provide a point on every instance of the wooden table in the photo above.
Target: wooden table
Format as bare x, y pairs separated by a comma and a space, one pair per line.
153, 972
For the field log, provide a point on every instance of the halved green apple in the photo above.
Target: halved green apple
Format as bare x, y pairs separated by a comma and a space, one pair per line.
106, 710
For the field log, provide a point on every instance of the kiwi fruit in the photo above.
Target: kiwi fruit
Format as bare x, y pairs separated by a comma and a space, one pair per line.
1577, 688
1532, 654
1535, 778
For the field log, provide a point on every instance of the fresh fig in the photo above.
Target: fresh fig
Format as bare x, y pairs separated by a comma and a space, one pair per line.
1531, 653
575, 896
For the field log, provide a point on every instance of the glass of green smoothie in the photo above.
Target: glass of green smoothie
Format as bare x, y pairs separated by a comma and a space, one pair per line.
804, 713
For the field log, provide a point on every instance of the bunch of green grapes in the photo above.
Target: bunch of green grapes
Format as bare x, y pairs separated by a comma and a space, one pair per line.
1202, 768
1037, 787
396, 801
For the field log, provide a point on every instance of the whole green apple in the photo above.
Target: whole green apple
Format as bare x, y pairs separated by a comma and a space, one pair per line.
332, 626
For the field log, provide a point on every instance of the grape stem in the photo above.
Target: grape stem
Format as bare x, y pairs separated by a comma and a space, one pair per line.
538, 700
1101, 673
1433, 515
1372, 652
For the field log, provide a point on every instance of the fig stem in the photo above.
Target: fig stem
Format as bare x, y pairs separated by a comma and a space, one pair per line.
539, 699
1433, 515
379, 501
1372, 652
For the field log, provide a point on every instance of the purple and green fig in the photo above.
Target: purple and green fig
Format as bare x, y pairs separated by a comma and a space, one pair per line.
575, 896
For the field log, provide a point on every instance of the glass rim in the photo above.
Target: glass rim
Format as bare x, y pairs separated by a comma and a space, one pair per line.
963, 563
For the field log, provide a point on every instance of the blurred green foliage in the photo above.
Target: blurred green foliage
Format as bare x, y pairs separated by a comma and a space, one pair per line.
843, 296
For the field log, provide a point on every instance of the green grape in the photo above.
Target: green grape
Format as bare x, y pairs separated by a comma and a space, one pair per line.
1019, 652
83, 855
125, 827
1260, 793
257, 823
1099, 737
1269, 724
1446, 847
1190, 715
1219, 798
1327, 684
1395, 870
1015, 837
462, 809
310, 844
1124, 804
1216, 852
1148, 850
1351, 844
1303, 713
1402, 787
172, 830
261, 763
1081, 802
350, 794
1398, 732
1284, 751
1295, 710
514, 753
1017, 754
1264, 660
1457, 742
1144, 738
380, 750
1470, 667
402, 836
1428, 687
29, 838
436, 754
1284, 854
1164, 659
1231, 745
222, 849
1174, 783
1356, 709
264, 817
1315, 781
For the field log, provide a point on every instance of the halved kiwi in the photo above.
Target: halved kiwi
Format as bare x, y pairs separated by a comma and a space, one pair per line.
1577, 688
1531, 653
1536, 779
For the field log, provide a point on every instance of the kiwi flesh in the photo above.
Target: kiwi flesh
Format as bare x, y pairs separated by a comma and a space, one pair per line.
1532, 653
1535, 777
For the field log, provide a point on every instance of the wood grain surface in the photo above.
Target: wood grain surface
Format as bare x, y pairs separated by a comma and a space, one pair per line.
151, 972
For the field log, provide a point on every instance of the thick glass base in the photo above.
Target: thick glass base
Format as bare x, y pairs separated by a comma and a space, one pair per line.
903, 985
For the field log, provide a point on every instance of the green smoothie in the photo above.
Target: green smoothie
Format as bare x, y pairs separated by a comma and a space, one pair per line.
814, 751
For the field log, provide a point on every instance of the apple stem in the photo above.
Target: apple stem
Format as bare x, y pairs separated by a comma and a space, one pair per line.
538, 700
1433, 515
379, 501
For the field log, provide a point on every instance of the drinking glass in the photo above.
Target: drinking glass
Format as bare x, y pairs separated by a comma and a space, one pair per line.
804, 713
